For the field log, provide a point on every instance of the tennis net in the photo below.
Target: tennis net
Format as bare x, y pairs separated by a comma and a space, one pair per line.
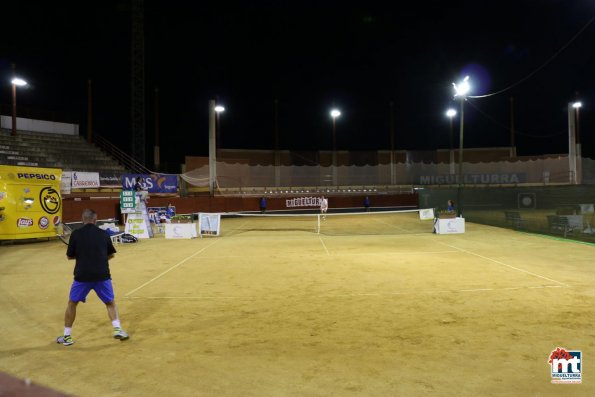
334, 223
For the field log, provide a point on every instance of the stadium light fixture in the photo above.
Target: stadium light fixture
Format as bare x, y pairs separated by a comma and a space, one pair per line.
16, 82
577, 105
461, 91
219, 109
463, 88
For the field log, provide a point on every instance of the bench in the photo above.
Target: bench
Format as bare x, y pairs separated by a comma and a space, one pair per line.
558, 224
513, 218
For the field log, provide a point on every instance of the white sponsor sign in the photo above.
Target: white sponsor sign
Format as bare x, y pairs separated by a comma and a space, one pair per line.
427, 213
449, 225
85, 180
136, 225
66, 182
180, 230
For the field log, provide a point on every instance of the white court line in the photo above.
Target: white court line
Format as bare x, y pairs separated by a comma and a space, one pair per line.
354, 295
324, 245
171, 268
504, 264
338, 254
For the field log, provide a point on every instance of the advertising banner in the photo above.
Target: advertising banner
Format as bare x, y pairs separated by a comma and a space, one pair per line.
66, 182
85, 180
153, 183
110, 179
209, 224
136, 225
30, 202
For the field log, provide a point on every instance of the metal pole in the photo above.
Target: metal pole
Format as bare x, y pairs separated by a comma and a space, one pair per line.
212, 148
512, 141
14, 110
335, 153
156, 149
14, 103
89, 111
571, 145
277, 155
393, 178
460, 177
451, 152
579, 156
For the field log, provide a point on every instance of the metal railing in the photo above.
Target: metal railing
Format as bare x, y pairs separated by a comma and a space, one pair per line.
126, 160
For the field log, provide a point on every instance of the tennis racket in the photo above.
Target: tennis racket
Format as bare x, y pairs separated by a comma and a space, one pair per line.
63, 232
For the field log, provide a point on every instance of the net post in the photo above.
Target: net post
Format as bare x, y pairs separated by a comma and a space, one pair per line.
318, 224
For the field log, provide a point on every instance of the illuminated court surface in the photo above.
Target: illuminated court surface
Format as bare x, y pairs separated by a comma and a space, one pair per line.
284, 311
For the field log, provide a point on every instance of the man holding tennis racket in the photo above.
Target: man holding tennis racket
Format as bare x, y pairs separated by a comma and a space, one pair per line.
92, 248
323, 207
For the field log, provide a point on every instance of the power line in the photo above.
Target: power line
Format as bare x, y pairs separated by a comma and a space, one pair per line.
517, 132
540, 67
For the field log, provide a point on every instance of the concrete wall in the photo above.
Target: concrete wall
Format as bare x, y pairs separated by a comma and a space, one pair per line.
49, 127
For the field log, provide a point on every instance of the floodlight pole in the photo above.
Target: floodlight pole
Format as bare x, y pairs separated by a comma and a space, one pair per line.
212, 148
334, 114
572, 144
450, 113
218, 110
335, 151
14, 110
460, 177
461, 91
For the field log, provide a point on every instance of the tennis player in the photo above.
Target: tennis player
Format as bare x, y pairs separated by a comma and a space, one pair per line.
323, 206
92, 248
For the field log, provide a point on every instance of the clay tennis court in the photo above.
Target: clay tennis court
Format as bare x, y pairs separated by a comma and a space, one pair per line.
283, 311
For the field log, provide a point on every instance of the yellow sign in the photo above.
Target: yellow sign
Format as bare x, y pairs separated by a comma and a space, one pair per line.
30, 202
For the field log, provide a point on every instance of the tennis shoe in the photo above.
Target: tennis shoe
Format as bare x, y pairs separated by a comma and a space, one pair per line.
66, 340
119, 333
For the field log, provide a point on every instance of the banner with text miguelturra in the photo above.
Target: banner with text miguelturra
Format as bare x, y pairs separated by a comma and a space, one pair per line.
30, 202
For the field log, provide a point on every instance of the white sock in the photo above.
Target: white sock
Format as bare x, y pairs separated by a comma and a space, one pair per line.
116, 323
67, 330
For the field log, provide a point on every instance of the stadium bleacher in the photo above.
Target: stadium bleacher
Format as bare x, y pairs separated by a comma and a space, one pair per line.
68, 152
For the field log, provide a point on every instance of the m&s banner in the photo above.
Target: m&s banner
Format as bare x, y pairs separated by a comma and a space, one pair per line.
153, 183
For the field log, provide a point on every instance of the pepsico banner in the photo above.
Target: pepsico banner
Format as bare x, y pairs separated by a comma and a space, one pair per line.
153, 183
30, 202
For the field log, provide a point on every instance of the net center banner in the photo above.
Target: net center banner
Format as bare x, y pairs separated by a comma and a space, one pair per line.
153, 183
303, 202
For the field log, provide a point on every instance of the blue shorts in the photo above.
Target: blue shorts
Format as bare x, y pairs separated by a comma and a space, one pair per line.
79, 290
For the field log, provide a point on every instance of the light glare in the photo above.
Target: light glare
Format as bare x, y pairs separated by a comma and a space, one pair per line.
335, 113
462, 88
451, 113
219, 109
577, 105
19, 82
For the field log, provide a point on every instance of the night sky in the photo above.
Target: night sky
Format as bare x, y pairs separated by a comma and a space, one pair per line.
358, 56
